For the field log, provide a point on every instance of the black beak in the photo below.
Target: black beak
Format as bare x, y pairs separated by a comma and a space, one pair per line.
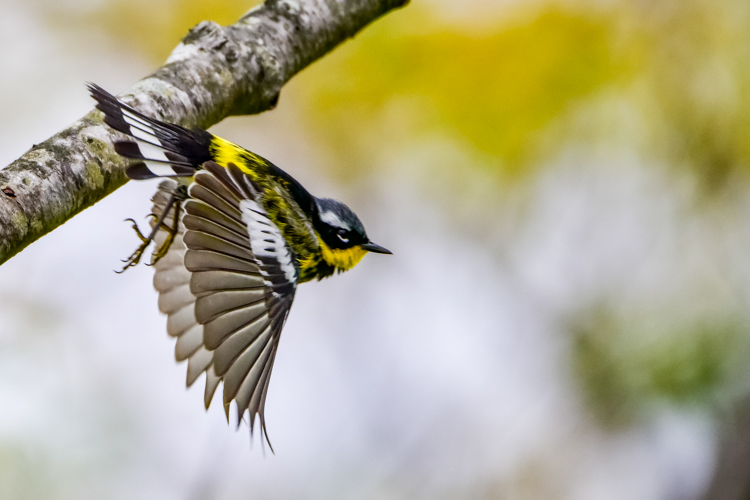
372, 247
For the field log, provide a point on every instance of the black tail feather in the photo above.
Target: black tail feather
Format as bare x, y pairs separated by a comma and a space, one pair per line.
164, 149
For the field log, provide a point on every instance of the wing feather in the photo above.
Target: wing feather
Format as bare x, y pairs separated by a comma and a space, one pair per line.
199, 240
241, 368
244, 287
236, 343
258, 399
172, 281
175, 299
227, 285
221, 186
209, 281
254, 382
210, 306
209, 213
188, 343
218, 328
212, 382
181, 321
198, 362
205, 260
204, 225
212, 199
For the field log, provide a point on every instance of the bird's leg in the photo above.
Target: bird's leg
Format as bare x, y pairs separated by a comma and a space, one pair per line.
171, 232
176, 199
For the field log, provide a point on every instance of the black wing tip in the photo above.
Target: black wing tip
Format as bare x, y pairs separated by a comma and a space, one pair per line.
250, 422
263, 431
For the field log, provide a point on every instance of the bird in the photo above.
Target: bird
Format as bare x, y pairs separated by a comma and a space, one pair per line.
234, 236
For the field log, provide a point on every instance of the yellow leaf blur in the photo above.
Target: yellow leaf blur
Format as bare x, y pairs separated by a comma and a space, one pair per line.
496, 89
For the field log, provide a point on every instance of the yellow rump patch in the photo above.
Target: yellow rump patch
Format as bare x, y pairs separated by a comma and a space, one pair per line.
225, 152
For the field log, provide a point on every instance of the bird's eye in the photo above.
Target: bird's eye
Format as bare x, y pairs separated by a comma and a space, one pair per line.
342, 236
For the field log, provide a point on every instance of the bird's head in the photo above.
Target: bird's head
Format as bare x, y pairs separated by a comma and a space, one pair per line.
343, 240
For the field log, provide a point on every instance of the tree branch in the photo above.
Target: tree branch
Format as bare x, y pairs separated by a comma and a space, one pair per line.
213, 73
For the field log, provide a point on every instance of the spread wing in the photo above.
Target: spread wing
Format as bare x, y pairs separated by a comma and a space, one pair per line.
243, 279
172, 281
226, 285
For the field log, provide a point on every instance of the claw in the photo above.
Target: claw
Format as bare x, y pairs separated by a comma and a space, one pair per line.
135, 257
137, 230
171, 234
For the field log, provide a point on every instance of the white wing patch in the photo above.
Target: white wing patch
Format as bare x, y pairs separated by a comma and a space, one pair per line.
265, 238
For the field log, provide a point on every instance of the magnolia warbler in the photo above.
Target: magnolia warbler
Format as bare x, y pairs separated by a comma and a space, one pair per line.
234, 235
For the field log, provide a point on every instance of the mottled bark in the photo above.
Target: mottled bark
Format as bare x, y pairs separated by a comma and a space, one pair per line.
213, 73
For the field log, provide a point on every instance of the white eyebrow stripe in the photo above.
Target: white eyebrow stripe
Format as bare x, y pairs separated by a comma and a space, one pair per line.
332, 219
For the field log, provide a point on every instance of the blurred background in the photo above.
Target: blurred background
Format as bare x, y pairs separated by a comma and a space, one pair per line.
564, 185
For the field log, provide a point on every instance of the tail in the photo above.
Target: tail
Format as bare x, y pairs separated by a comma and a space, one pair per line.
164, 149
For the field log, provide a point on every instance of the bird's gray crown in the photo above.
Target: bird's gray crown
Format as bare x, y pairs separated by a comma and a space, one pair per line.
336, 214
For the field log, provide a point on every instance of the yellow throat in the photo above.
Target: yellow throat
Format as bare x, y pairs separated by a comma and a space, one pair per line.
342, 259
